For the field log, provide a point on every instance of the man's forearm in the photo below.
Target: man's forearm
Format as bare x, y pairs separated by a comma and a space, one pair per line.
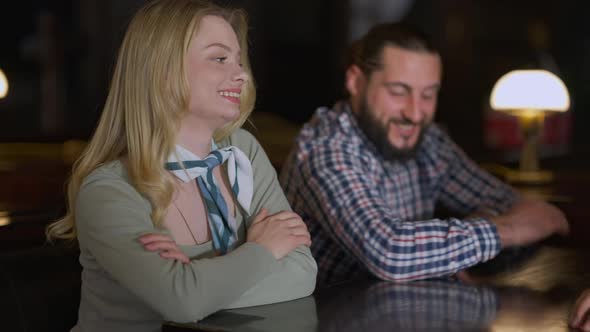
529, 221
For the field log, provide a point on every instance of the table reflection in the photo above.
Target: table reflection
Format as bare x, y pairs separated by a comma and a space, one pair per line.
442, 306
416, 306
372, 305
292, 316
526, 310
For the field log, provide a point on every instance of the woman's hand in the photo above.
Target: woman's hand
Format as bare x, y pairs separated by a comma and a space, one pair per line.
164, 245
280, 233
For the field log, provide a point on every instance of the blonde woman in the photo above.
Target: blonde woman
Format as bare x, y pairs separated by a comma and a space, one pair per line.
178, 213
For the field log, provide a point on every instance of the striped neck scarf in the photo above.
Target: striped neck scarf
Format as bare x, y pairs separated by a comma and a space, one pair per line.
239, 171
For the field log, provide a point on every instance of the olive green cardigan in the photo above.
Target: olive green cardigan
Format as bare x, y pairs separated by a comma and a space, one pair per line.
126, 288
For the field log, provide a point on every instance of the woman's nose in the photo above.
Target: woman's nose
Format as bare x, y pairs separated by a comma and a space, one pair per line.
240, 75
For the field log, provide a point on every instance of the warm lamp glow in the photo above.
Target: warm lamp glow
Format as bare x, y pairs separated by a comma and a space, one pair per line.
4, 218
530, 90
3, 85
528, 94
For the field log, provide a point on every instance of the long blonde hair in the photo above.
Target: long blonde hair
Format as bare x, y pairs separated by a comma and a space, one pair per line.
147, 98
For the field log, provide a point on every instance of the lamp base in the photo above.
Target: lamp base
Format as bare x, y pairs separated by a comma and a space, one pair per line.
537, 184
518, 176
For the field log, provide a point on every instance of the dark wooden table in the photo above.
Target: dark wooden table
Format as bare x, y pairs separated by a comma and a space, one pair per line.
384, 306
429, 305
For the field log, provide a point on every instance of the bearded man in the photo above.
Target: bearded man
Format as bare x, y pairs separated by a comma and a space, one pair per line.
367, 174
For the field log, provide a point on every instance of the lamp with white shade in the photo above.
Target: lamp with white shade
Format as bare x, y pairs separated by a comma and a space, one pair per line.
528, 95
3, 85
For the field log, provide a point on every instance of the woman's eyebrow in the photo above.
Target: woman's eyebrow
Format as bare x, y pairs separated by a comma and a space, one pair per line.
221, 45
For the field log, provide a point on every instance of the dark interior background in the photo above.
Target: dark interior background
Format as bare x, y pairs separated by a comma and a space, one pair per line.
58, 57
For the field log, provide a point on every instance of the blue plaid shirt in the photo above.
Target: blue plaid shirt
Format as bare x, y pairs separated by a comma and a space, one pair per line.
369, 215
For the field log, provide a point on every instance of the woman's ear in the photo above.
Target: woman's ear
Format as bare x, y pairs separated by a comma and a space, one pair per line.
355, 80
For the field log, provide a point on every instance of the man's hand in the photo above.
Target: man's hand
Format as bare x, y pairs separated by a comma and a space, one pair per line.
530, 221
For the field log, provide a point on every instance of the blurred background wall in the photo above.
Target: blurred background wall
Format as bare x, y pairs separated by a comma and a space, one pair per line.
58, 57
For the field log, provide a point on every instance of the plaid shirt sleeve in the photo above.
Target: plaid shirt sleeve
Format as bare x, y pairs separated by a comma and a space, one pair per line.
469, 189
345, 200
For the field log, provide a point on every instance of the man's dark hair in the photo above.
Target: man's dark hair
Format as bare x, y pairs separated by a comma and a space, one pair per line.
366, 52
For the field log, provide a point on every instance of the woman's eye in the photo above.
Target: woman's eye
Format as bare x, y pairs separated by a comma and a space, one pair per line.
221, 59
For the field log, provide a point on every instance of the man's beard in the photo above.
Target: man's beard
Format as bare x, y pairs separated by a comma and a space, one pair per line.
377, 133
